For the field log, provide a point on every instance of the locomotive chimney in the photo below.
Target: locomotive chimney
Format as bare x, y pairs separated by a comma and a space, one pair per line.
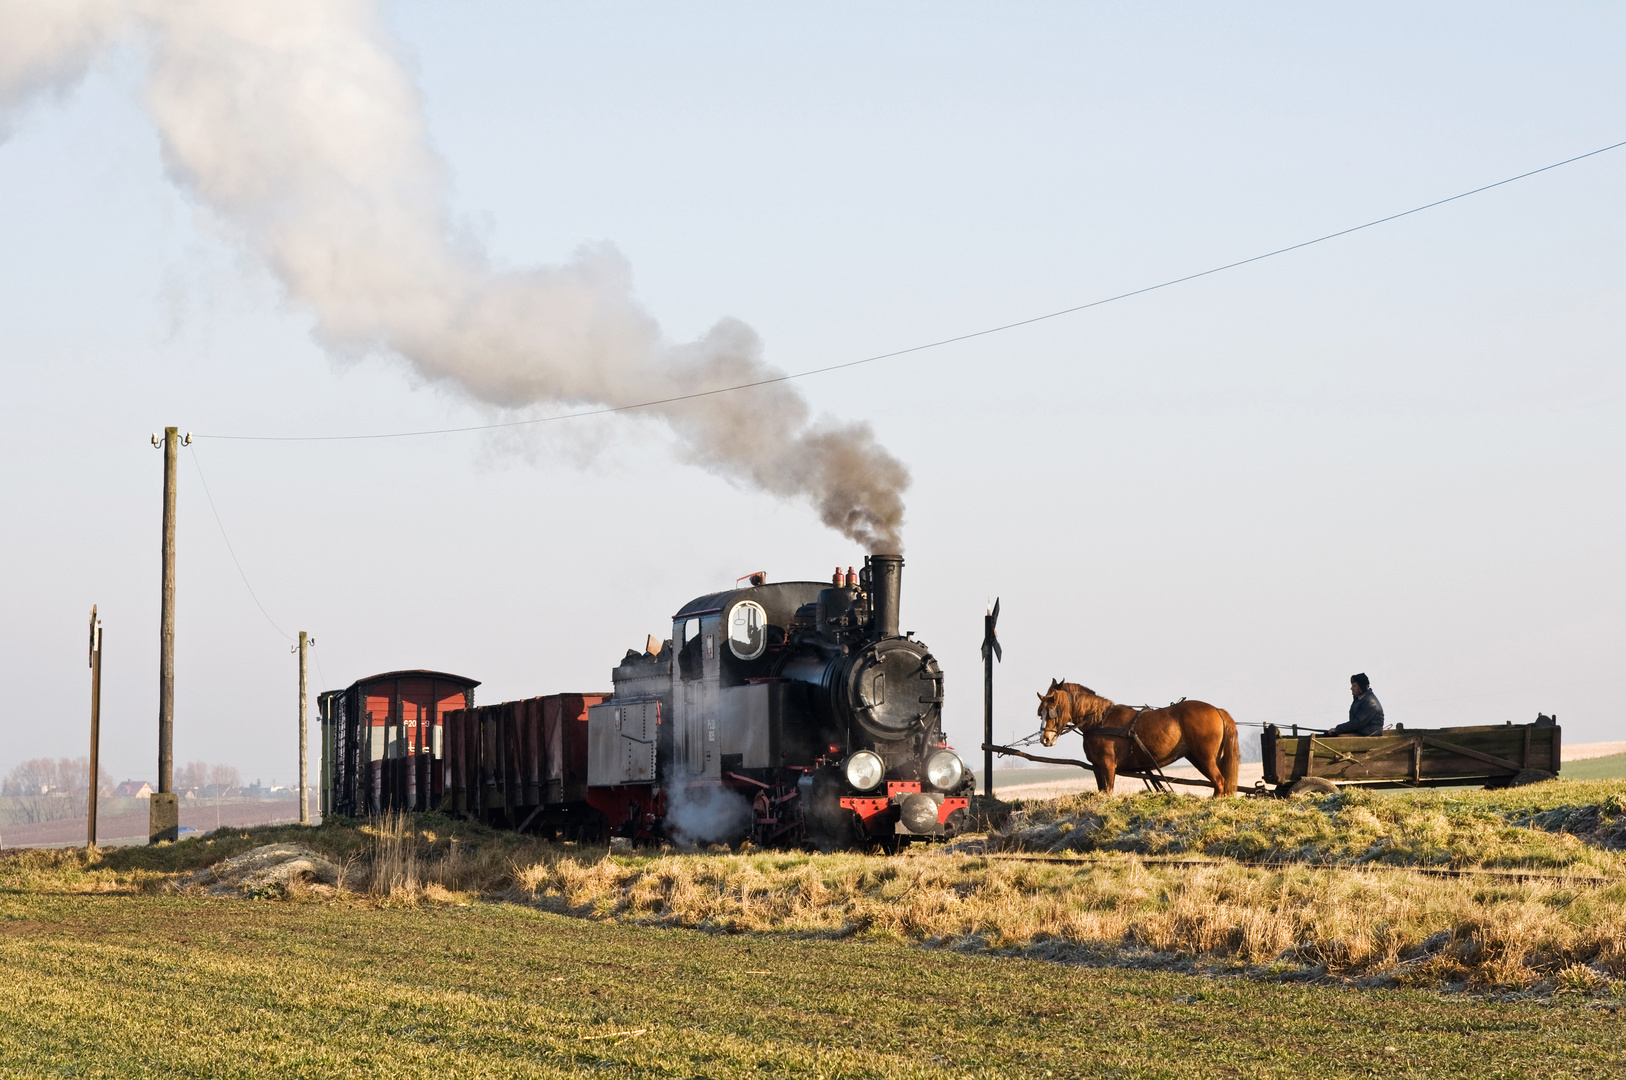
886, 588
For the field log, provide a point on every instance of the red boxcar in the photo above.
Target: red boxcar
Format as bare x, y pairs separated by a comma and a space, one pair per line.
382, 741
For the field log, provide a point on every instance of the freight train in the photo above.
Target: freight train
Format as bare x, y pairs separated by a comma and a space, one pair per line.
791, 713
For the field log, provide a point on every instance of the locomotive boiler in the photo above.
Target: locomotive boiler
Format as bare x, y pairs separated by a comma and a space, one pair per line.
789, 712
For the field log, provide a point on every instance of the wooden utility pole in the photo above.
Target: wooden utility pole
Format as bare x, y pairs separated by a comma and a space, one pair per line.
990, 652
95, 720
304, 796
164, 813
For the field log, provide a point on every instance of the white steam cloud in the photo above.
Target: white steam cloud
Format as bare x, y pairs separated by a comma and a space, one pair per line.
296, 123
699, 813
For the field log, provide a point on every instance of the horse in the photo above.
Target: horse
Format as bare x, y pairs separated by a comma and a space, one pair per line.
1194, 730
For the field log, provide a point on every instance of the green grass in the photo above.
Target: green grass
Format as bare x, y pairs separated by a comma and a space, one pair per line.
1612, 767
134, 986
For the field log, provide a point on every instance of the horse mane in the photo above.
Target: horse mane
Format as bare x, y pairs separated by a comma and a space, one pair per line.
1089, 708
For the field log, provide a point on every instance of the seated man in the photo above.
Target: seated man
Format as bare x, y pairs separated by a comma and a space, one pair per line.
1365, 713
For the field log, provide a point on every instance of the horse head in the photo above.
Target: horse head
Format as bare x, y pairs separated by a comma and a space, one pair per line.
1068, 705
1055, 712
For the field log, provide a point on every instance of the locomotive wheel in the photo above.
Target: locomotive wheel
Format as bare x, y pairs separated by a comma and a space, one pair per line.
1312, 786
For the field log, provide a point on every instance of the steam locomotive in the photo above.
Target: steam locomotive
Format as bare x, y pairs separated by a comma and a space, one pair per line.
791, 713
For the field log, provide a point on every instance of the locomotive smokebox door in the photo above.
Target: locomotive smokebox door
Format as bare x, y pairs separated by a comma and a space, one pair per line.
621, 743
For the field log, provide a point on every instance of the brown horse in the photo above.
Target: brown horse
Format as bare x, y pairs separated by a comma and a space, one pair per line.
1194, 730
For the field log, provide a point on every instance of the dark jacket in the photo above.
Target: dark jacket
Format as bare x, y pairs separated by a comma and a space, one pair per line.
1365, 717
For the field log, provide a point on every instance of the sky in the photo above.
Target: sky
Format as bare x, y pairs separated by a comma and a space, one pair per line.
1397, 452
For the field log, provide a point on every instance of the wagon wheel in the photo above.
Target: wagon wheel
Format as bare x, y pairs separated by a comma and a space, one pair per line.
1312, 785
1531, 776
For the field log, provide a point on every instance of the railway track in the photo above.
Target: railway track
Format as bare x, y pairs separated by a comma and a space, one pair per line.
1430, 871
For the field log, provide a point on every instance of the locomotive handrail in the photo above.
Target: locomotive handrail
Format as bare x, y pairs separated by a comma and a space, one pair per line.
1003, 750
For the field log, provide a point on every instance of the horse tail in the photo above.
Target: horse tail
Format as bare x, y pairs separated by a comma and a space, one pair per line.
1230, 755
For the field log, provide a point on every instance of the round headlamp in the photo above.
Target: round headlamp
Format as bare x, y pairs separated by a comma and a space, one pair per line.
864, 770
945, 770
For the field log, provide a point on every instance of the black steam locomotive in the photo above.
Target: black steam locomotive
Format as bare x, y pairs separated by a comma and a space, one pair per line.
794, 712
788, 713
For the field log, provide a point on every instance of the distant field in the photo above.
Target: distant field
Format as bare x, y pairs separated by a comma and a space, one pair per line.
1013, 777
125, 821
1612, 767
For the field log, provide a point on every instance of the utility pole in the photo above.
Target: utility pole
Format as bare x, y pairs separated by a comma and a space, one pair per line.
304, 792
95, 720
990, 652
164, 811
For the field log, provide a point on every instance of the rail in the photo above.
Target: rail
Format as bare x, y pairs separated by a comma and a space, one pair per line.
1267, 864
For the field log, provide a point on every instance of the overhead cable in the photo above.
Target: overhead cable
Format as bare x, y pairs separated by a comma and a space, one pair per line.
930, 344
230, 550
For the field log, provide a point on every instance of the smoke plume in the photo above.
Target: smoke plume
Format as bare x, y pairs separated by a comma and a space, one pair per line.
297, 124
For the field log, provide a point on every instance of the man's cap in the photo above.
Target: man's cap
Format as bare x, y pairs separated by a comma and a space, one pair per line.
1361, 679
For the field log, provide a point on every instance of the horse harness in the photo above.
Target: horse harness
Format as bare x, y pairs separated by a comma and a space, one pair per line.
1155, 781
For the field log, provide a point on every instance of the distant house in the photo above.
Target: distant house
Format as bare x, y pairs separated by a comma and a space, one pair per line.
134, 789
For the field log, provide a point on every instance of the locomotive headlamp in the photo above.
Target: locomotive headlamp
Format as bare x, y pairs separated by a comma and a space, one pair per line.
864, 770
945, 770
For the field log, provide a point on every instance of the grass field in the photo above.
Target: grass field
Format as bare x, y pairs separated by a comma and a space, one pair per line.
446, 949
130, 985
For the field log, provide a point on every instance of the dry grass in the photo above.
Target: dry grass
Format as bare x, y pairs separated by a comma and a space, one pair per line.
1379, 928
1346, 906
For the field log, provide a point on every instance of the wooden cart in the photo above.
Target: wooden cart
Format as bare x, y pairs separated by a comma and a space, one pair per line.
1490, 755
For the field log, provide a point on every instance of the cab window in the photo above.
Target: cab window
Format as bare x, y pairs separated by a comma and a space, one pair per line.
747, 630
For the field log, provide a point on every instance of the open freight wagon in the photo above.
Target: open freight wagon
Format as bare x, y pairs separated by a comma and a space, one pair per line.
523, 765
1489, 755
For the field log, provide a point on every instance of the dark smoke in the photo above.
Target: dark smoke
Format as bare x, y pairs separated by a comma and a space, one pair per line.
296, 123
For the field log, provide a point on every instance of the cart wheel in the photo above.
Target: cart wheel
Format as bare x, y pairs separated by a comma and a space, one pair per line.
1531, 776
1312, 785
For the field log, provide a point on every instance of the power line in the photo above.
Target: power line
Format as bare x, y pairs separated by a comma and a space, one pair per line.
320, 673
1498, 693
199, 466
930, 344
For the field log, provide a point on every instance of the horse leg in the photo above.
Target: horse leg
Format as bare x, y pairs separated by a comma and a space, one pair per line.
1104, 778
1217, 760
1221, 756
1208, 764
1101, 763
1106, 767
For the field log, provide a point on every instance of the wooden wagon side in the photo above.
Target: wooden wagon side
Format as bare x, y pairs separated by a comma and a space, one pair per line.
1492, 755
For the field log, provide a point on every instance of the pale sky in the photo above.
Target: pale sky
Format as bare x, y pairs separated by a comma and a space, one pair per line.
1398, 452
